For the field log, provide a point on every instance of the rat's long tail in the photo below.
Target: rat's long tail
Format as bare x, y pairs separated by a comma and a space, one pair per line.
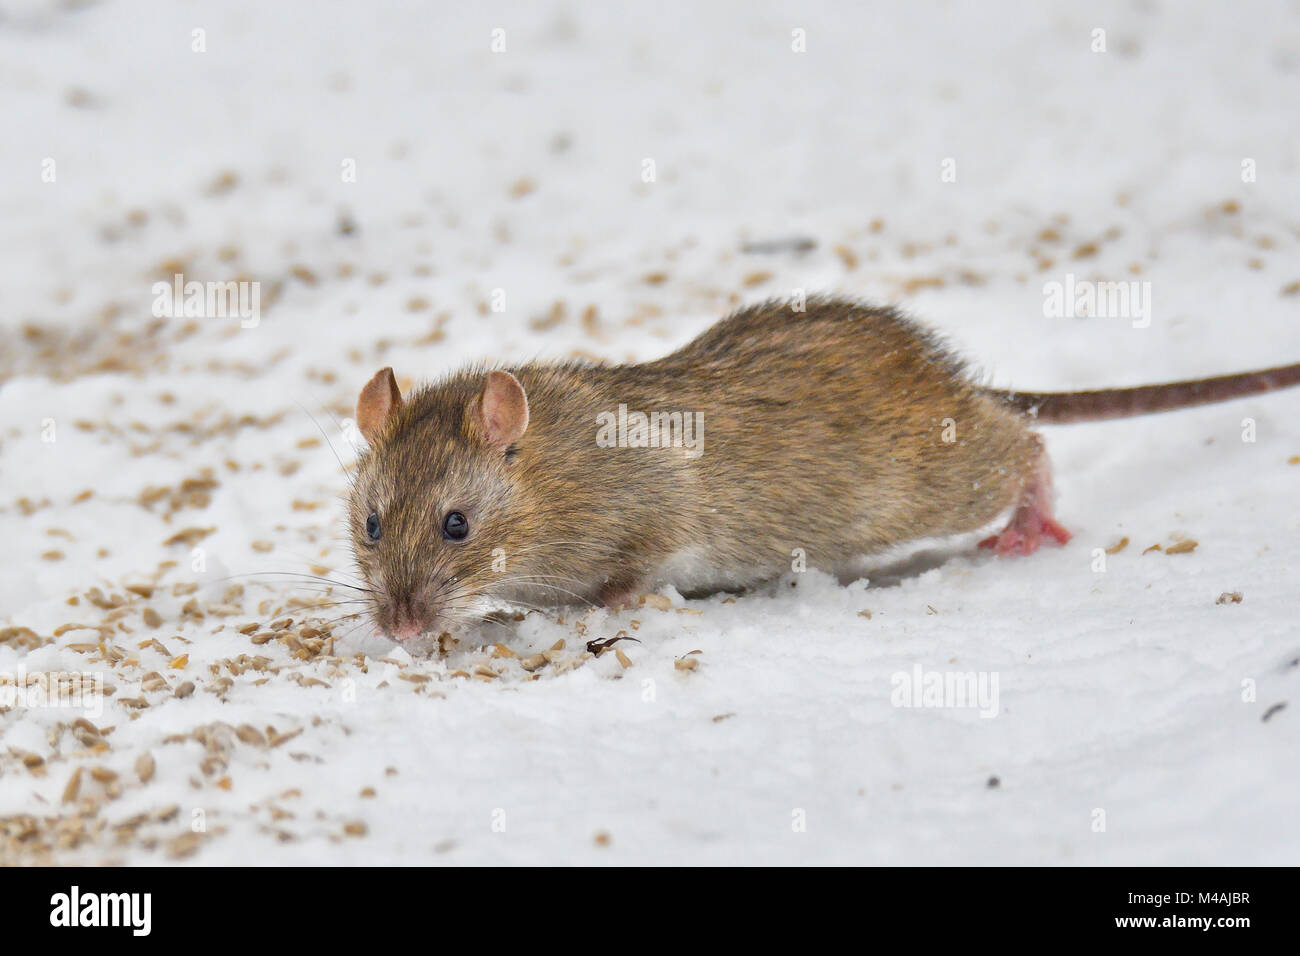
1063, 408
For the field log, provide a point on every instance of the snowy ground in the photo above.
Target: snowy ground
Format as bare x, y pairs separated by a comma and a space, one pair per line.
1130, 724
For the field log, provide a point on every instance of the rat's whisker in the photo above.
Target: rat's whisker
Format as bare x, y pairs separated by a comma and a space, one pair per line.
579, 598
300, 576
342, 467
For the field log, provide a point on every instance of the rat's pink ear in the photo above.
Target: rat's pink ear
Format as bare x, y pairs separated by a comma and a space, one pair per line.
379, 401
502, 410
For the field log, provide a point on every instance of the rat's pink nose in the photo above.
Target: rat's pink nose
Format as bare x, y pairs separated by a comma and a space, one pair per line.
407, 630
407, 624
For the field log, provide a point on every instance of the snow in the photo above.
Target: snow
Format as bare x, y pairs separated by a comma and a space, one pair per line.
1128, 691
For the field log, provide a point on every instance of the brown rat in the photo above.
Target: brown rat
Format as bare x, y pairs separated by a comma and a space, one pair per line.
841, 430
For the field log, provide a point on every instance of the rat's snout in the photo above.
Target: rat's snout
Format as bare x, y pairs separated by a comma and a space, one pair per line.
406, 626
407, 617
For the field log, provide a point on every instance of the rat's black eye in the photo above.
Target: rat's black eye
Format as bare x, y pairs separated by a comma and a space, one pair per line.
372, 527
455, 526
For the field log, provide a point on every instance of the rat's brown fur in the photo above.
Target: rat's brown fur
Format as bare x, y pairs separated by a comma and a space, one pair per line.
835, 431
840, 430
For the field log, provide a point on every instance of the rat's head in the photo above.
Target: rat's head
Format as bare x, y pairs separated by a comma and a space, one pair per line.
434, 497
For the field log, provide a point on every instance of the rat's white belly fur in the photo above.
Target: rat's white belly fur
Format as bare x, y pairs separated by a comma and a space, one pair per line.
692, 569
697, 568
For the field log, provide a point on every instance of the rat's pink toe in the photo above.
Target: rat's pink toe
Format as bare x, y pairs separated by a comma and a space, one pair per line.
1051, 526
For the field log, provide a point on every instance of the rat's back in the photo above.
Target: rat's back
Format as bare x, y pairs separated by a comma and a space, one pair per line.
839, 429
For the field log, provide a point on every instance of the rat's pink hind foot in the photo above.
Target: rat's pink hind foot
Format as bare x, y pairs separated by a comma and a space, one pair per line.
1025, 533
1033, 520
